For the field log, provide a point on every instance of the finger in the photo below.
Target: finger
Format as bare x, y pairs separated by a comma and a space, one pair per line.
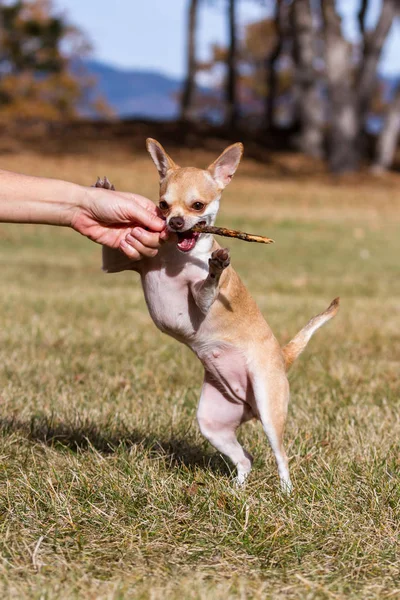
143, 250
130, 252
138, 202
138, 214
138, 199
147, 238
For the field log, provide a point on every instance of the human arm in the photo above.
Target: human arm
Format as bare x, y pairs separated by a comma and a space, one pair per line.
116, 219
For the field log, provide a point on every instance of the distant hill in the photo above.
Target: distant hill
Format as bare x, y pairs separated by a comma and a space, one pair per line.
134, 93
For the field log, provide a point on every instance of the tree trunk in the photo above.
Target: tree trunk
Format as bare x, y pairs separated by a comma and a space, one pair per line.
272, 79
231, 91
387, 141
189, 86
310, 101
344, 152
373, 44
361, 15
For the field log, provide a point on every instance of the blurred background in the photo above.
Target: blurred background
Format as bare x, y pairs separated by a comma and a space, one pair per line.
108, 489
316, 77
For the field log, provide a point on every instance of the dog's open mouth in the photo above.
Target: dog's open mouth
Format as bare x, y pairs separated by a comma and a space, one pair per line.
188, 239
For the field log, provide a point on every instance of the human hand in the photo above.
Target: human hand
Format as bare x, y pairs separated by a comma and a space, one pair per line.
121, 220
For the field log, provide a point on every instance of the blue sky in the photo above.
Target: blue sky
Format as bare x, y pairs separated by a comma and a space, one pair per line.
150, 34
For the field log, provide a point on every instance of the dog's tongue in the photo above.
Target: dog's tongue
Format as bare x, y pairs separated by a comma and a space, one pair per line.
187, 240
187, 243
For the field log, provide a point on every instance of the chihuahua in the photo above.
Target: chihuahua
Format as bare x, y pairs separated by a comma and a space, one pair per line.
194, 295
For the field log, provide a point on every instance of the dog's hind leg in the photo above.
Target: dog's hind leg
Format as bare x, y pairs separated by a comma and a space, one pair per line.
218, 419
271, 394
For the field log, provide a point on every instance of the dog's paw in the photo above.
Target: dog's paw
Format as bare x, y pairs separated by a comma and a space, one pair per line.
286, 487
104, 183
220, 260
239, 481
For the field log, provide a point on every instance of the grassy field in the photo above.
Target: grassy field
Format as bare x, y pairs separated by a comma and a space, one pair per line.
108, 491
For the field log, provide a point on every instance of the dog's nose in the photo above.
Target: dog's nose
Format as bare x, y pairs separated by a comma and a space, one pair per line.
176, 222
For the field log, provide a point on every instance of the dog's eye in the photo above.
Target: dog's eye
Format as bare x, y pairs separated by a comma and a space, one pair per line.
163, 205
198, 206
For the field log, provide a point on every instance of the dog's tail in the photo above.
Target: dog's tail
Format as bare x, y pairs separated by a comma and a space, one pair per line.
296, 346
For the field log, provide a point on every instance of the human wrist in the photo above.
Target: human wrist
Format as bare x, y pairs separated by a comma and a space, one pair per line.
75, 202
59, 204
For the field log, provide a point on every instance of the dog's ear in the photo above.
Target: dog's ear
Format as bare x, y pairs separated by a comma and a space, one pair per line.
160, 158
223, 169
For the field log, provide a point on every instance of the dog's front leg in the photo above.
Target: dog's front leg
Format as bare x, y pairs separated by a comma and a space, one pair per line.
205, 292
114, 260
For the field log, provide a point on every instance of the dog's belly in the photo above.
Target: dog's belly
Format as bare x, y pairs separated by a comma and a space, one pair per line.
171, 305
228, 368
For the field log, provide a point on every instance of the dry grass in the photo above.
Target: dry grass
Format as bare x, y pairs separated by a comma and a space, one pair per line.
108, 491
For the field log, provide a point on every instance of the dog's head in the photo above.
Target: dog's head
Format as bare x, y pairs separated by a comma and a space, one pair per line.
190, 196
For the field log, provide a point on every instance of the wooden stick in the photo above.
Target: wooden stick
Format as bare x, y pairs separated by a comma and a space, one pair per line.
241, 235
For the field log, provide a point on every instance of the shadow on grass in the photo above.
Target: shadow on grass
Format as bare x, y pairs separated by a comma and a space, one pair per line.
111, 438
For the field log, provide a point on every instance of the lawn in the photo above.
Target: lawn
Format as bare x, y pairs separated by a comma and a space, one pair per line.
108, 490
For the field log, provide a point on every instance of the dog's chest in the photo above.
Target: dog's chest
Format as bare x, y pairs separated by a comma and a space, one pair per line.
170, 302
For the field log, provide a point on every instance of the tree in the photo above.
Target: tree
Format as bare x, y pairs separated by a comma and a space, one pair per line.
351, 88
271, 72
189, 86
373, 42
387, 140
253, 53
37, 80
307, 79
344, 151
302, 57
231, 83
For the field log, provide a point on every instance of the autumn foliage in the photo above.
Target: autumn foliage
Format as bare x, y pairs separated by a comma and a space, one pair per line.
40, 71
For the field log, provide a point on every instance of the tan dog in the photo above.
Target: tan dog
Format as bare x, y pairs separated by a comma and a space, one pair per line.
194, 295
